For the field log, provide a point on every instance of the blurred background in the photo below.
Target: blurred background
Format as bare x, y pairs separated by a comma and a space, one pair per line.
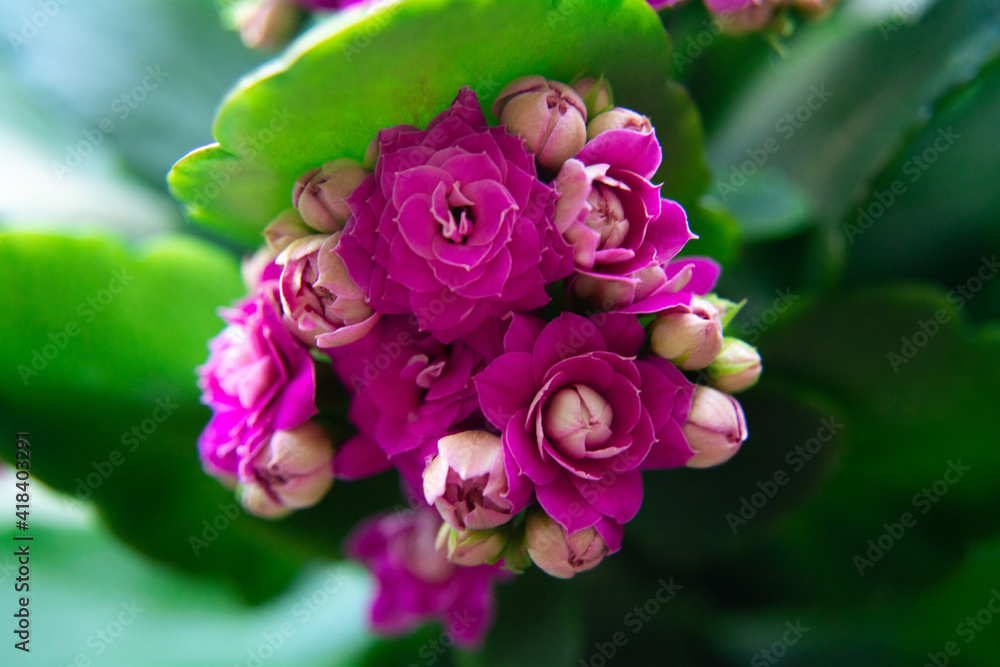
853, 200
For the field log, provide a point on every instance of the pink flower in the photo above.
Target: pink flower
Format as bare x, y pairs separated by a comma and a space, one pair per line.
325, 307
580, 416
454, 225
468, 484
416, 583
258, 380
408, 391
619, 226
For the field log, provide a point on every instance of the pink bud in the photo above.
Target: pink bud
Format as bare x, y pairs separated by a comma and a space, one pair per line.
471, 547
293, 471
618, 119
548, 115
268, 24
595, 93
715, 428
285, 229
688, 336
319, 194
576, 419
558, 553
467, 481
323, 305
736, 368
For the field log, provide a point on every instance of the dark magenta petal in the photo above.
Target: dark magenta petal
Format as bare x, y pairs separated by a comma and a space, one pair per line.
617, 495
563, 502
704, 273
359, 457
567, 335
505, 386
624, 149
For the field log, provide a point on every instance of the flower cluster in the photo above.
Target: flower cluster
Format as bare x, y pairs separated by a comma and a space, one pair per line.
506, 312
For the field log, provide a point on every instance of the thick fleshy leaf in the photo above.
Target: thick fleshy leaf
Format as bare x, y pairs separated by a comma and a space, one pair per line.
99, 357
293, 114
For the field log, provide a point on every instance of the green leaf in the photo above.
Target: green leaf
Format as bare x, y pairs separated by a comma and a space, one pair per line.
538, 623
913, 389
719, 234
831, 115
93, 601
99, 359
363, 70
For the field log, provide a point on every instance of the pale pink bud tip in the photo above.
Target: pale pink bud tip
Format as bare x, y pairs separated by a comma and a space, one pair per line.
737, 367
596, 94
319, 194
267, 24
618, 119
715, 428
471, 547
548, 115
292, 472
467, 481
689, 336
558, 553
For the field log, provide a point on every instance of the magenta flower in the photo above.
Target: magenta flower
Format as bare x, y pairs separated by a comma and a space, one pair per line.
415, 583
258, 380
580, 416
324, 306
454, 225
614, 217
409, 390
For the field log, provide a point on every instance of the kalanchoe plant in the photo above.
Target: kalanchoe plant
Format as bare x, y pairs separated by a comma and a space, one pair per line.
518, 437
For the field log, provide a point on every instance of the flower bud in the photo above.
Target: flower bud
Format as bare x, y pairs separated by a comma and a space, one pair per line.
471, 547
267, 24
577, 419
285, 229
715, 428
292, 472
736, 368
319, 194
467, 481
595, 93
689, 336
558, 553
548, 115
618, 119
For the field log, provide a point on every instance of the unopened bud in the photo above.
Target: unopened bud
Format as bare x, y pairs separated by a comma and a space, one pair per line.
557, 552
618, 119
595, 93
689, 336
715, 428
292, 472
319, 194
471, 547
736, 368
267, 24
548, 115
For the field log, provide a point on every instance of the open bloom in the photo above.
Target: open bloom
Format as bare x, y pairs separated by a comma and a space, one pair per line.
258, 379
454, 225
621, 230
416, 583
409, 390
580, 416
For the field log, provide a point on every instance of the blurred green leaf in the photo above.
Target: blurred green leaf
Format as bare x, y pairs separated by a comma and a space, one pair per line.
834, 113
293, 115
95, 602
915, 390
